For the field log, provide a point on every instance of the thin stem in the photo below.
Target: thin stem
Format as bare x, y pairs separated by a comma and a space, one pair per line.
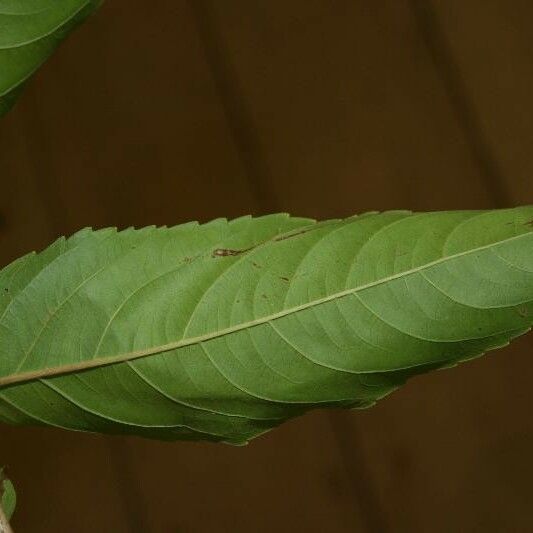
4, 523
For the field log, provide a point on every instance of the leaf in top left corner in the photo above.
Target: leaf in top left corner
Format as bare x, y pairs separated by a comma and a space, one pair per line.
30, 31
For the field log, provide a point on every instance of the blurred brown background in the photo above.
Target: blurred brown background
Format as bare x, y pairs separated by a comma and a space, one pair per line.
168, 111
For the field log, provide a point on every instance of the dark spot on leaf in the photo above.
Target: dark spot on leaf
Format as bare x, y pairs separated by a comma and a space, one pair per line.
295, 234
529, 223
264, 296
6, 289
256, 265
225, 252
284, 278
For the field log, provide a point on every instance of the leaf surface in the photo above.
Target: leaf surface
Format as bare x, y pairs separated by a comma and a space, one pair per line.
30, 30
224, 330
8, 496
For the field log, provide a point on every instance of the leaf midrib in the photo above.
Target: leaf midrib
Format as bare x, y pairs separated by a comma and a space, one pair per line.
156, 350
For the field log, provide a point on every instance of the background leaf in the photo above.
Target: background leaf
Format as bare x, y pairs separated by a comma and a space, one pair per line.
30, 30
8, 496
224, 330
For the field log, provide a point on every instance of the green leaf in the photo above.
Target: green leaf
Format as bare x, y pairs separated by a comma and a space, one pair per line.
8, 496
30, 30
224, 330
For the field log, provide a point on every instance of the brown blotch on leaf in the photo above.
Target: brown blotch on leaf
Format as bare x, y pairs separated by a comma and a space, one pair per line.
226, 252
284, 278
295, 234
